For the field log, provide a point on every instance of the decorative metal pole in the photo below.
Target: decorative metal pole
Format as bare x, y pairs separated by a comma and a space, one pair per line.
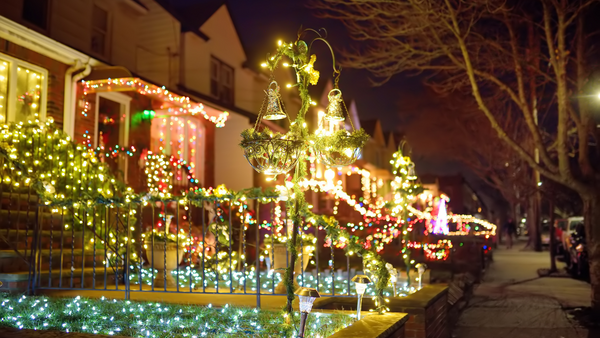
272, 153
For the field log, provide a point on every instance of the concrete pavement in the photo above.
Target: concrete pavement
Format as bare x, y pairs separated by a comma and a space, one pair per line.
514, 302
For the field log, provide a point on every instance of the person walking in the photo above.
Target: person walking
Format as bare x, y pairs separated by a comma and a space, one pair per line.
510, 229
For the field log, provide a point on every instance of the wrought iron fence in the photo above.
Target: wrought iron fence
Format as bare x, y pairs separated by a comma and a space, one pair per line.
220, 247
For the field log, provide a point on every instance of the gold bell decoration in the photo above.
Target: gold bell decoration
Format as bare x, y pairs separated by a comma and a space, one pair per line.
334, 109
274, 111
412, 175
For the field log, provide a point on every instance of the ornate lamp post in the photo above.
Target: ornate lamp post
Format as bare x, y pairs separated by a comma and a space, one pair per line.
361, 282
274, 154
306, 297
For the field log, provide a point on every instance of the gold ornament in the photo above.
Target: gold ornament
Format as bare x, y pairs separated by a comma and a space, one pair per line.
274, 111
313, 74
334, 109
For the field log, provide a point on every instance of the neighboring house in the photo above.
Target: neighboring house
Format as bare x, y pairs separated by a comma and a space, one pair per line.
143, 73
129, 57
463, 199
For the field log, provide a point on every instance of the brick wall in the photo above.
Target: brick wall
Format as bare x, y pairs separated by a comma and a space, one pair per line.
427, 310
436, 319
56, 76
84, 125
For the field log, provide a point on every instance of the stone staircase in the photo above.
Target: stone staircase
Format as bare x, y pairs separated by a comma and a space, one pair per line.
38, 249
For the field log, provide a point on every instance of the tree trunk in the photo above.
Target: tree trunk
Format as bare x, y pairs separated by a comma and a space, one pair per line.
591, 214
552, 238
537, 240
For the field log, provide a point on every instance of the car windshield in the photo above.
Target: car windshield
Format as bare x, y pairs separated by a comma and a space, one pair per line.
574, 225
562, 225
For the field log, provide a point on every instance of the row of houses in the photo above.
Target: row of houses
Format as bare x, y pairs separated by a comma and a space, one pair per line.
149, 76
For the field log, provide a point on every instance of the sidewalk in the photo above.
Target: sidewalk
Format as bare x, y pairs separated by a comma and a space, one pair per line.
514, 302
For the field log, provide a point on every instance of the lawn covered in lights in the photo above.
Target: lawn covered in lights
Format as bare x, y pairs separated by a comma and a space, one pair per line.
148, 319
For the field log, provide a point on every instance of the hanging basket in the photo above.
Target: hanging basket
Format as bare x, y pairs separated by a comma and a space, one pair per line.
339, 158
272, 156
267, 152
339, 148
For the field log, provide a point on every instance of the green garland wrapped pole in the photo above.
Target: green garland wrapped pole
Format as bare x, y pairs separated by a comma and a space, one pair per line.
273, 153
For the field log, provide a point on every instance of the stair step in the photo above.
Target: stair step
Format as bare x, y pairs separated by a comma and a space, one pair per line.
10, 261
21, 239
30, 214
66, 273
11, 233
24, 196
55, 252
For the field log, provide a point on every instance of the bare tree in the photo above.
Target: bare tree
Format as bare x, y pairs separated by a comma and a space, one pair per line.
532, 55
456, 130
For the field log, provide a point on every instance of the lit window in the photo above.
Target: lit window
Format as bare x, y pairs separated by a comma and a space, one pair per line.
99, 30
221, 81
22, 91
183, 138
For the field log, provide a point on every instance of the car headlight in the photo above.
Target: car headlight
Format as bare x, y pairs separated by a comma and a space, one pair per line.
579, 248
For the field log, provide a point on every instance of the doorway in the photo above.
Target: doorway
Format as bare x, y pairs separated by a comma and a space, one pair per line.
112, 130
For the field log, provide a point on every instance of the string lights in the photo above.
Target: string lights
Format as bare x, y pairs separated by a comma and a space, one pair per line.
150, 319
178, 105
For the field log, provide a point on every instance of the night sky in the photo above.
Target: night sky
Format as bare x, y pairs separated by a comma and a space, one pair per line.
272, 20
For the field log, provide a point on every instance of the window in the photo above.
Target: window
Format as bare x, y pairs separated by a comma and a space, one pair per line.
183, 138
99, 30
221, 81
36, 12
22, 91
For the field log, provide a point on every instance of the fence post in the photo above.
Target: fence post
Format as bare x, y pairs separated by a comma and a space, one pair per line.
257, 248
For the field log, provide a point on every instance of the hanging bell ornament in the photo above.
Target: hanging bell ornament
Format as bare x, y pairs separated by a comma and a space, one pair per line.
274, 111
412, 175
334, 109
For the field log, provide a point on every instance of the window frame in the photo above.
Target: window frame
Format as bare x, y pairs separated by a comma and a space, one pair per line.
107, 33
11, 101
220, 66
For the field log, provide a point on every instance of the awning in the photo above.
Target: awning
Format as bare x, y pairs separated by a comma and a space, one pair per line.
103, 80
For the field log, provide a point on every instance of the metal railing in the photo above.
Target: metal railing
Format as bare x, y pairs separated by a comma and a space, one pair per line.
220, 249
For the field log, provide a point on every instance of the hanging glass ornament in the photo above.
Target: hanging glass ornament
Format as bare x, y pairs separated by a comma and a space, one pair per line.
412, 175
335, 111
274, 111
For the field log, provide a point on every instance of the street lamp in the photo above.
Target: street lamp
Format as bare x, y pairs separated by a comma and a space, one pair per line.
306, 297
421, 270
361, 282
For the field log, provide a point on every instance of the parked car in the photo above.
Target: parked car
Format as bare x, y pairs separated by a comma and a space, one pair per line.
577, 263
570, 226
